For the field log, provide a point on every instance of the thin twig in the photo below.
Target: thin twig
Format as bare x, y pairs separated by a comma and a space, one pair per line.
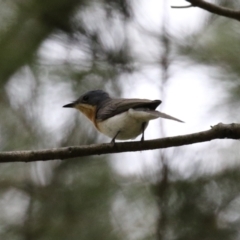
187, 6
222, 11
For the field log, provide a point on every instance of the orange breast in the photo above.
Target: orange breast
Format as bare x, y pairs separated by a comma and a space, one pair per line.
89, 111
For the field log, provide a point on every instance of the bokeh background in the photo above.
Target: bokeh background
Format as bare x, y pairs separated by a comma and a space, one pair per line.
53, 51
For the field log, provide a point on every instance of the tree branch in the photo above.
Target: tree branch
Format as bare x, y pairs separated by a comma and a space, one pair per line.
220, 131
188, 6
222, 11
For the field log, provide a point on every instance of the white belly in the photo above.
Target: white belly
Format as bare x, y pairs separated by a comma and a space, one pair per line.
128, 124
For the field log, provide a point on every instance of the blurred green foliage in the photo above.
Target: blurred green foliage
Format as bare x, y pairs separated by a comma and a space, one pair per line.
216, 44
51, 52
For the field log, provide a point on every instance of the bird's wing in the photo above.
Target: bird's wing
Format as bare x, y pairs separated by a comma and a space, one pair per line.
111, 107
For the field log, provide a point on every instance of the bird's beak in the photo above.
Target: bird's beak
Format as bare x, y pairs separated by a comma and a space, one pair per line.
79, 106
70, 105
86, 109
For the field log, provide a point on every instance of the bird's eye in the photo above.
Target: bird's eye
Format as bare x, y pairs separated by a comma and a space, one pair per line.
85, 98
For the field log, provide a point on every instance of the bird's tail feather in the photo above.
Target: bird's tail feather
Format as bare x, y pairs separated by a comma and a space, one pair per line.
143, 113
164, 115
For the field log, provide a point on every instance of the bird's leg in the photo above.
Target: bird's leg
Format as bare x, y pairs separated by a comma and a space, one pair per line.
143, 129
113, 140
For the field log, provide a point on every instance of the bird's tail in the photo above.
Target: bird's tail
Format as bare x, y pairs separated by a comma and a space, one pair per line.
146, 114
164, 115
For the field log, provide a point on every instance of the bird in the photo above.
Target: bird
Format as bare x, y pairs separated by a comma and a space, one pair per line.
118, 118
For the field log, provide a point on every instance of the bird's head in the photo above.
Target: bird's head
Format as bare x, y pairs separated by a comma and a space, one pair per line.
89, 102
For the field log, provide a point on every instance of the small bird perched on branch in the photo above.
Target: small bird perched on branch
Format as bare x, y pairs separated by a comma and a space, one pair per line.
118, 118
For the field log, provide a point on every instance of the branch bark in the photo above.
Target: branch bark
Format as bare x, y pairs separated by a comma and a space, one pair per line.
222, 11
219, 131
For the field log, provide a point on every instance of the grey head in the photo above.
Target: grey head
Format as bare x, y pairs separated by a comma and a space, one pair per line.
93, 98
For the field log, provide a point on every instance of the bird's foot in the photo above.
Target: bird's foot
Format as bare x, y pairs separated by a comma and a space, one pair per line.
113, 140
